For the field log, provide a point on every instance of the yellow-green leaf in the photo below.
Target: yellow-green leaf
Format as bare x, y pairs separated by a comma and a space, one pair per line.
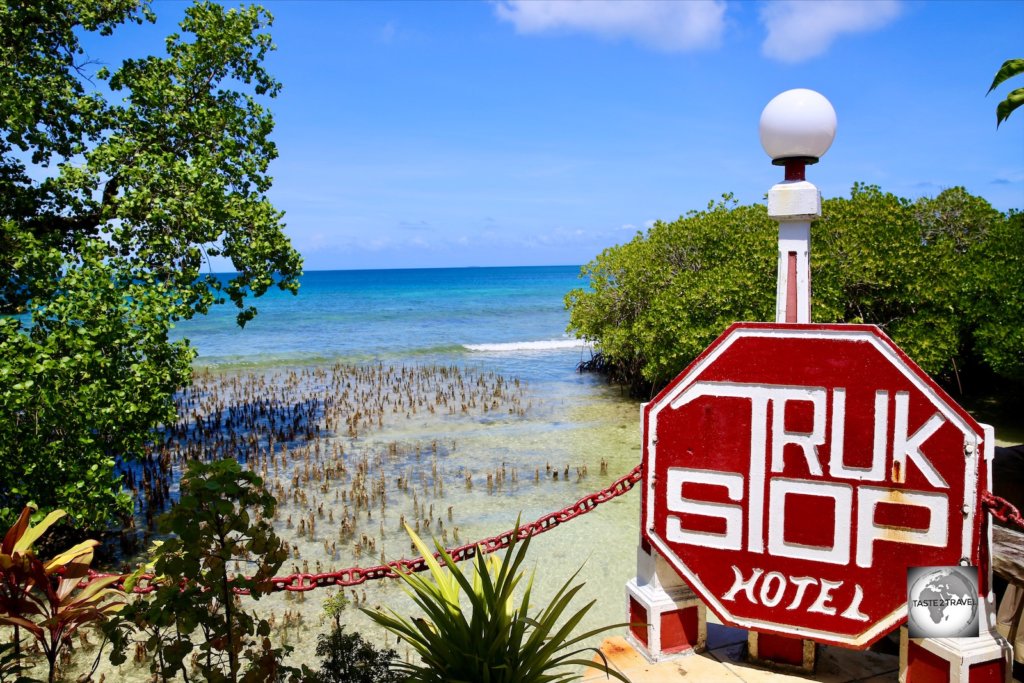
32, 534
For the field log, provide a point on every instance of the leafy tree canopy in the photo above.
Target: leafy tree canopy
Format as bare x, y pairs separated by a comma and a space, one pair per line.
940, 275
117, 184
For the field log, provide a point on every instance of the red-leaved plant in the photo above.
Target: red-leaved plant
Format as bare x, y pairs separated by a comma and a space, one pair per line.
44, 597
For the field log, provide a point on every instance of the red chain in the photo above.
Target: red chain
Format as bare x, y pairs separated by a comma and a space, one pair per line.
354, 576
1002, 509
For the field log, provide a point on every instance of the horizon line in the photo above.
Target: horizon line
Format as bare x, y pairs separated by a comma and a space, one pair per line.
369, 270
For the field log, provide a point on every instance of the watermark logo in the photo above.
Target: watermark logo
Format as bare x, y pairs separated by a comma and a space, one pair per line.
942, 602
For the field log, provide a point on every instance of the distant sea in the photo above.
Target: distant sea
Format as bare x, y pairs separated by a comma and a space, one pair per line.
512, 317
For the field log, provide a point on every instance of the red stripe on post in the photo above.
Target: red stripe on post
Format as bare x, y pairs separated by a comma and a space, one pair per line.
791, 288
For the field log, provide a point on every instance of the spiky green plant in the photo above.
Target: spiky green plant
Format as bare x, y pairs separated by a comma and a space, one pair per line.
491, 639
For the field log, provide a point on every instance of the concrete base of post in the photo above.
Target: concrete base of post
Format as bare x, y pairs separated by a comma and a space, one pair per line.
985, 659
768, 649
667, 619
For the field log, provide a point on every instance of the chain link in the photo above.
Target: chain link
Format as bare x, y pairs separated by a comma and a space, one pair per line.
1002, 509
353, 576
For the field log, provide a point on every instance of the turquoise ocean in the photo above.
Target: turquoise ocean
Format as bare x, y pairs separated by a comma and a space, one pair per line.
566, 435
512, 319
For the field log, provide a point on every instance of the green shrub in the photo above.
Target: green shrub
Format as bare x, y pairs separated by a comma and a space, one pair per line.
218, 524
335, 605
941, 276
350, 659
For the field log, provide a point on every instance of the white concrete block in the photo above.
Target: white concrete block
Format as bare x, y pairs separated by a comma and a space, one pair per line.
794, 200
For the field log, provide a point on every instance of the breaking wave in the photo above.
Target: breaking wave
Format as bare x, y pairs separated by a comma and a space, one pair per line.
512, 347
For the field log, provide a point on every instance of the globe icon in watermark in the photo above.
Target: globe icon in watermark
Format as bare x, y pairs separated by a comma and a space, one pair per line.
942, 602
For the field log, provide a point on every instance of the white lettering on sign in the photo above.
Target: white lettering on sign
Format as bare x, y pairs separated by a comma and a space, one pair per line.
869, 531
909, 446
836, 466
807, 441
769, 437
840, 494
770, 589
732, 514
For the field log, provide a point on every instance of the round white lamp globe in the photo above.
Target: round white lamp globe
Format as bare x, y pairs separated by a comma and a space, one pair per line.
798, 124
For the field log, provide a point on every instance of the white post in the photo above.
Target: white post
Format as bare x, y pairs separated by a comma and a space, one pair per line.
794, 204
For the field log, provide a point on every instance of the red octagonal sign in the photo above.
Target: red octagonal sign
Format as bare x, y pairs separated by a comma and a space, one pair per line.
794, 473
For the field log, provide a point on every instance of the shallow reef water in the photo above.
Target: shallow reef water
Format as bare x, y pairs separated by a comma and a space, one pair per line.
355, 452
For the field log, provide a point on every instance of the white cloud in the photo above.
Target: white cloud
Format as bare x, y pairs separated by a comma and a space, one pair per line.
799, 30
669, 26
647, 225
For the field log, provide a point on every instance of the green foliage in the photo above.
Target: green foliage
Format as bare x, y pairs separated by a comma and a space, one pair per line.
1010, 68
655, 302
350, 659
218, 524
43, 597
875, 261
495, 640
335, 605
995, 299
82, 382
940, 275
116, 187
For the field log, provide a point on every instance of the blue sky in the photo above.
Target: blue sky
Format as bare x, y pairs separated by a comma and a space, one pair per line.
429, 134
